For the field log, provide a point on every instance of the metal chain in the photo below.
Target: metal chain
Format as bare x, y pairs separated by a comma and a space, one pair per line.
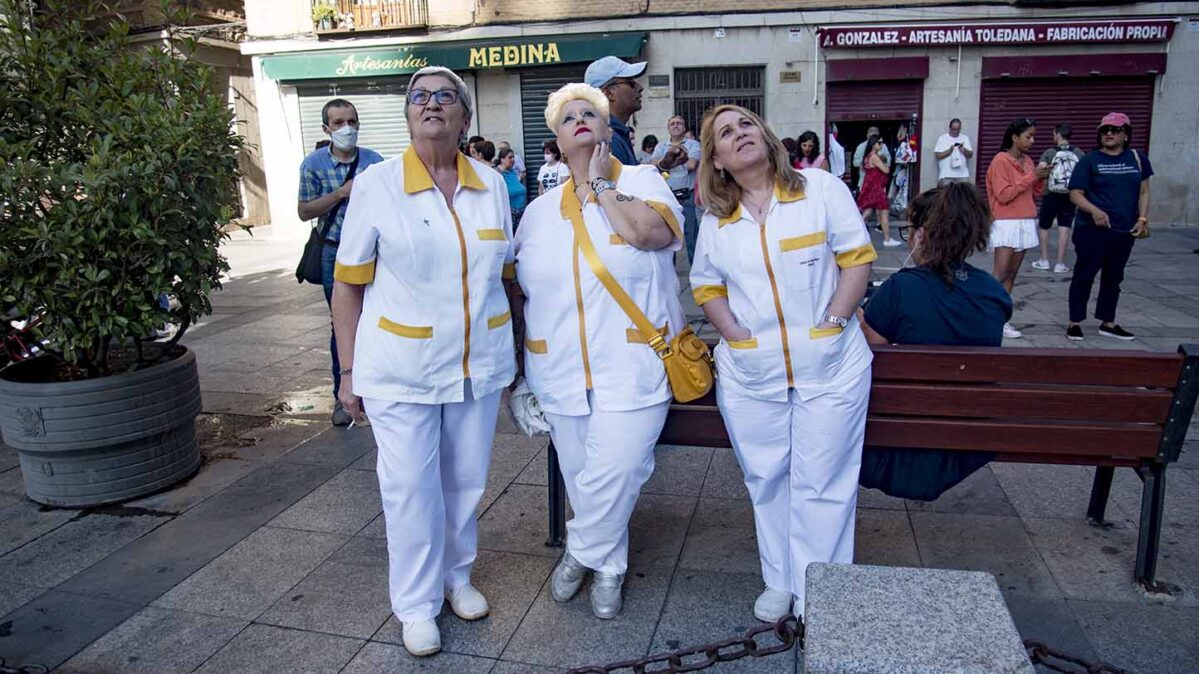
27, 669
788, 631
1041, 654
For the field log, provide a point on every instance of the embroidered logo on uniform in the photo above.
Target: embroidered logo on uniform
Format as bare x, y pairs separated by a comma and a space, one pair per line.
426, 223
961, 275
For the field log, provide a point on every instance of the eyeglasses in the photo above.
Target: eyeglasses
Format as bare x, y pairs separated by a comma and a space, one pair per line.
632, 84
1111, 130
442, 96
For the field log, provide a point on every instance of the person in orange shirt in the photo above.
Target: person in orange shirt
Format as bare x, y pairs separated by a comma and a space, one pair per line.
1013, 184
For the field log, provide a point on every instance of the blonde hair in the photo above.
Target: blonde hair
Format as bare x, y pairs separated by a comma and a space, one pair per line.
717, 188
573, 92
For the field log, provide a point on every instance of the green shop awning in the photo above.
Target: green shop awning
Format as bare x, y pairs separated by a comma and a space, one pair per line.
541, 50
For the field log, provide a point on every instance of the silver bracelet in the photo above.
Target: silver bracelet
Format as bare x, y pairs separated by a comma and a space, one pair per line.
348, 370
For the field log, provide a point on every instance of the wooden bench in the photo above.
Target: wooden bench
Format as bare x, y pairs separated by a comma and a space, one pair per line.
1106, 409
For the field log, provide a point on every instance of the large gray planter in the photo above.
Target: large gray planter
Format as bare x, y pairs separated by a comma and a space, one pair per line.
103, 440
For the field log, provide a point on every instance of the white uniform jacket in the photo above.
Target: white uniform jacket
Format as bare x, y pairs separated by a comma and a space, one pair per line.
577, 337
434, 312
779, 278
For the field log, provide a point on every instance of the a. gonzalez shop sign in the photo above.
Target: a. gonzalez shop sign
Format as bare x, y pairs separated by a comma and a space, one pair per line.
1027, 33
479, 55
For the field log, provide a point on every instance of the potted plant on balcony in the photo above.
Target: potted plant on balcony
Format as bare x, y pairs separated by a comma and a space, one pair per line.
323, 15
120, 170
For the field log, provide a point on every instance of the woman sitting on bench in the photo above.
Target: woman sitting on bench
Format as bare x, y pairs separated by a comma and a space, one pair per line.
942, 300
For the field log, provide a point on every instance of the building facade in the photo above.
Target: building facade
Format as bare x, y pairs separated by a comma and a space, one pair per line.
918, 66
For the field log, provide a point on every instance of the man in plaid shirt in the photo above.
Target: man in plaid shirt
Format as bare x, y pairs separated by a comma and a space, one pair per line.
324, 195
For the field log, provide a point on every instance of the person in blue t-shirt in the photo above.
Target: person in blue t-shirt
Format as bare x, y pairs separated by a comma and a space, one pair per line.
1110, 187
942, 300
518, 194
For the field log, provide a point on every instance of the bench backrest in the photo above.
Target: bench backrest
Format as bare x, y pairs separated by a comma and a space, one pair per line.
1060, 405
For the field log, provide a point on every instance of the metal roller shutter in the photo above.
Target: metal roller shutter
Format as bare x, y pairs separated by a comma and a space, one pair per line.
863, 101
1080, 102
380, 105
535, 88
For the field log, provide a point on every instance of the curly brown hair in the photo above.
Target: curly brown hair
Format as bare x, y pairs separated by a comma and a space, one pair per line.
955, 222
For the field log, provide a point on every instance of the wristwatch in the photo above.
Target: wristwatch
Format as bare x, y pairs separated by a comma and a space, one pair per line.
601, 185
836, 320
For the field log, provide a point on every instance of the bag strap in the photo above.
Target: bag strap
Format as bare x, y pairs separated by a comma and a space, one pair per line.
336, 210
1140, 169
655, 339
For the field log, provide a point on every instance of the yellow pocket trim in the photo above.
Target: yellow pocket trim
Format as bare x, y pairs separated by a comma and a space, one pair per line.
617, 240
410, 331
509, 271
704, 294
499, 321
536, 346
822, 333
354, 274
751, 343
805, 241
491, 234
634, 336
857, 256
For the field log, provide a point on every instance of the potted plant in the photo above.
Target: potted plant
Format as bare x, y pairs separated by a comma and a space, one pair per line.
120, 172
323, 15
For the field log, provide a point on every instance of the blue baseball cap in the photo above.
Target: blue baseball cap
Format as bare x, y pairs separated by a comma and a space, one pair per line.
608, 68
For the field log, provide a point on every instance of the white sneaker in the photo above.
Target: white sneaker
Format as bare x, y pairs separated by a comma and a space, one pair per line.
891, 243
468, 603
422, 638
1011, 333
772, 605
1043, 265
1060, 268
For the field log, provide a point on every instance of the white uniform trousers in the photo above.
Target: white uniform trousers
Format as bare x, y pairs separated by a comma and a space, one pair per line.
605, 458
801, 460
432, 471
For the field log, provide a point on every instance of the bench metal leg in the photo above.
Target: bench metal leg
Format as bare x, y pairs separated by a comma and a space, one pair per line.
1100, 490
557, 499
1153, 498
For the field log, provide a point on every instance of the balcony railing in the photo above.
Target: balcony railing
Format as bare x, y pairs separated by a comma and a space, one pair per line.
344, 16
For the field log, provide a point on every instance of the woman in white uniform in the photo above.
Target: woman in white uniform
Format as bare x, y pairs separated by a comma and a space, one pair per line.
602, 387
419, 303
782, 261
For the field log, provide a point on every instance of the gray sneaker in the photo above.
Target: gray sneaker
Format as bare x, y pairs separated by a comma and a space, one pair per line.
340, 416
568, 578
605, 594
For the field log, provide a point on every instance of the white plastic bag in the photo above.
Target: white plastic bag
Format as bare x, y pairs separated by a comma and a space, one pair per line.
526, 412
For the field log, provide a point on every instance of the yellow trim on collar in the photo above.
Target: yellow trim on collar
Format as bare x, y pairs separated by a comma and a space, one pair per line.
705, 294
354, 274
857, 256
786, 196
570, 201
417, 178
805, 241
736, 215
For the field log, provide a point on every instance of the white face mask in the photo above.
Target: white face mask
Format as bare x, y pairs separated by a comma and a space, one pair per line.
549, 158
345, 138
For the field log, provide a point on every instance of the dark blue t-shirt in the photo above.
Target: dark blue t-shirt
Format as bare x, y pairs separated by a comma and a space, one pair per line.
917, 306
622, 147
1113, 184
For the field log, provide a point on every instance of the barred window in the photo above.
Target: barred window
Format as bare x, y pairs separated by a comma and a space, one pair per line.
698, 89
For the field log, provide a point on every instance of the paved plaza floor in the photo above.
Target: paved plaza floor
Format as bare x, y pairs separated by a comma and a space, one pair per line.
273, 559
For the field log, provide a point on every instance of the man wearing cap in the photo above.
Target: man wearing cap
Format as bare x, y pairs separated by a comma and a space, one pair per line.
1110, 187
617, 79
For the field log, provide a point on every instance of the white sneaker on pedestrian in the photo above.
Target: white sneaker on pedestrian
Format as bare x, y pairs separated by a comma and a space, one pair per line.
772, 605
1060, 268
422, 638
1011, 333
1042, 264
891, 243
605, 594
468, 603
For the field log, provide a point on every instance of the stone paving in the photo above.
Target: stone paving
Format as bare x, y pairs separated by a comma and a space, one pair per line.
273, 558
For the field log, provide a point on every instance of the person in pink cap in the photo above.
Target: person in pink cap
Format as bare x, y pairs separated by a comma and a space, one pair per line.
1110, 187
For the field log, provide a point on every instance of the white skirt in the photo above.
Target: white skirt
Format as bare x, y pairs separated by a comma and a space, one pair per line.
1018, 234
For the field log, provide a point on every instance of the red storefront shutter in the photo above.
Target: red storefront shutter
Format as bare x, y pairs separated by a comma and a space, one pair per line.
880, 99
1078, 101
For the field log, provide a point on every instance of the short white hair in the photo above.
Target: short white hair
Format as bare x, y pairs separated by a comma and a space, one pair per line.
573, 92
459, 85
